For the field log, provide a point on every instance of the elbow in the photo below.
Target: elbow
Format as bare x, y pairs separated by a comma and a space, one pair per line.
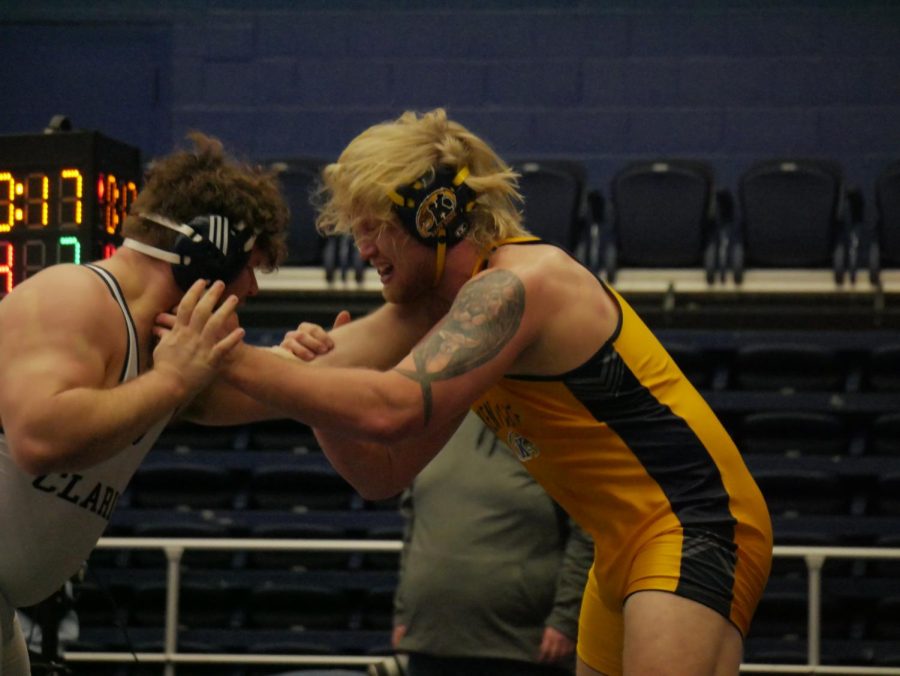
371, 493
37, 452
390, 425
391, 412
33, 457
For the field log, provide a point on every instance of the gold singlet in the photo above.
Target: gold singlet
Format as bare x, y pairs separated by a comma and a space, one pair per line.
631, 450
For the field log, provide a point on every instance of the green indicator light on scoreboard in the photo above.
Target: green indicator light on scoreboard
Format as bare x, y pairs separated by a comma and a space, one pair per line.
75, 252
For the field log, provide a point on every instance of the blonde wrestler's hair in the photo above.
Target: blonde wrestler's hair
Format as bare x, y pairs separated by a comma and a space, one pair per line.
386, 156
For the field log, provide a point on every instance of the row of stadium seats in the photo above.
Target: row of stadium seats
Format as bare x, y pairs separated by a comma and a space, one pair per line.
759, 423
671, 213
210, 480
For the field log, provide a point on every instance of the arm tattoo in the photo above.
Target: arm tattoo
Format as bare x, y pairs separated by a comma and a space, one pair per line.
485, 315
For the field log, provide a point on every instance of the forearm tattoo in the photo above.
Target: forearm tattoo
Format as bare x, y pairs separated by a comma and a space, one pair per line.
484, 316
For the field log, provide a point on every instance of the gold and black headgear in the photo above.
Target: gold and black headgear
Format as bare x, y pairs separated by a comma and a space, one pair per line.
435, 209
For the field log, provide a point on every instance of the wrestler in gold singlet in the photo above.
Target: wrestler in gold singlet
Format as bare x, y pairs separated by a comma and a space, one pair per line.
632, 451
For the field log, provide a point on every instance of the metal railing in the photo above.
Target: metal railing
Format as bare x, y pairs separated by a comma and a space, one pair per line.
174, 549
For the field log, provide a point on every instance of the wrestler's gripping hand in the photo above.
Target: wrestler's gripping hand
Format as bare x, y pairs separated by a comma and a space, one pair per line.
195, 342
309, 340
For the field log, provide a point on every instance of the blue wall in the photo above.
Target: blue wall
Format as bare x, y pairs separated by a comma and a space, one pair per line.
604, 82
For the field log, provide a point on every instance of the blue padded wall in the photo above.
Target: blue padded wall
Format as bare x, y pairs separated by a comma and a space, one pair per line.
605, 82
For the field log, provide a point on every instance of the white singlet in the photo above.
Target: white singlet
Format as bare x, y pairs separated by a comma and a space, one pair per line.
49, 524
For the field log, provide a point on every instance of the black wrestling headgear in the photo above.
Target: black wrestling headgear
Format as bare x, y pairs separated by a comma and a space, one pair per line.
435, 209
209, 247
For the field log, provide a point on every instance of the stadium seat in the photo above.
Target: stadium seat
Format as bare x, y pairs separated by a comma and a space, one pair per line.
293, 487
377, 608
889, 493
697, 364
883, 368
795, 567
99, 606
383, 560
803, 492
306, 247
207, 604
191, 558
299, 177
182, 485
887, 654
794, 213
555, 201
298, 560
282, 435
885, 568
788, 432
111, 558
187, 436
787, 367
884, 245
664, 214
781, 613
884, 435
885, 619
769, 650
298, 607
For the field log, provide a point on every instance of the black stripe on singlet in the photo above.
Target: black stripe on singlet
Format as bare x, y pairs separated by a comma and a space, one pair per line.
116, 291
673, 456
676, 459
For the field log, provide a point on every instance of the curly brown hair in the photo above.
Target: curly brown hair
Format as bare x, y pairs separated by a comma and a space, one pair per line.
205, 180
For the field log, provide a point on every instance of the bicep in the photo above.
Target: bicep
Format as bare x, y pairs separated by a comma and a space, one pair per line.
51, 344
475, 344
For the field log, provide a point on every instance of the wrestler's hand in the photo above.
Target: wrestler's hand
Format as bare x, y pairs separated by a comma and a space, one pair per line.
166, 320
309, 340
398, 633
194, 343
555, 646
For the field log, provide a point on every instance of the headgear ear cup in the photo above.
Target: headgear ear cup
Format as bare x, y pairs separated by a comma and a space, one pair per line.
434, 207
208, 247
435, 210
216, 250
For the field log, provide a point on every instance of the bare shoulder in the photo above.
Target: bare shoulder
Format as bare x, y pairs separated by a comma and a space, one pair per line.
56, 301
547, 273
54, 287
572, 313
57, 333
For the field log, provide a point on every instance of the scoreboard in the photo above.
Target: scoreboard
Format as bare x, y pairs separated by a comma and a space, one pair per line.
63, 198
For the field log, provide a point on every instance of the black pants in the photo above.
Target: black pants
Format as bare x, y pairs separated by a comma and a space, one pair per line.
429, 665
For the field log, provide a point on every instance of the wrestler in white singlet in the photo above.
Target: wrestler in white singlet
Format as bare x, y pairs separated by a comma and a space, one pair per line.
49, 524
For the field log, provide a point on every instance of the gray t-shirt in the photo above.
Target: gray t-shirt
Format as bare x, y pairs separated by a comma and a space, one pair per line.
490, 559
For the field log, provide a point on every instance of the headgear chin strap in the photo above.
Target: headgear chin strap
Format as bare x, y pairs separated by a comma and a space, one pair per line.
435, 209
209, 247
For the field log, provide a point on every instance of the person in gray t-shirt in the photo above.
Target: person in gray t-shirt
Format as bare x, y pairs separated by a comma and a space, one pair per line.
492, 570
